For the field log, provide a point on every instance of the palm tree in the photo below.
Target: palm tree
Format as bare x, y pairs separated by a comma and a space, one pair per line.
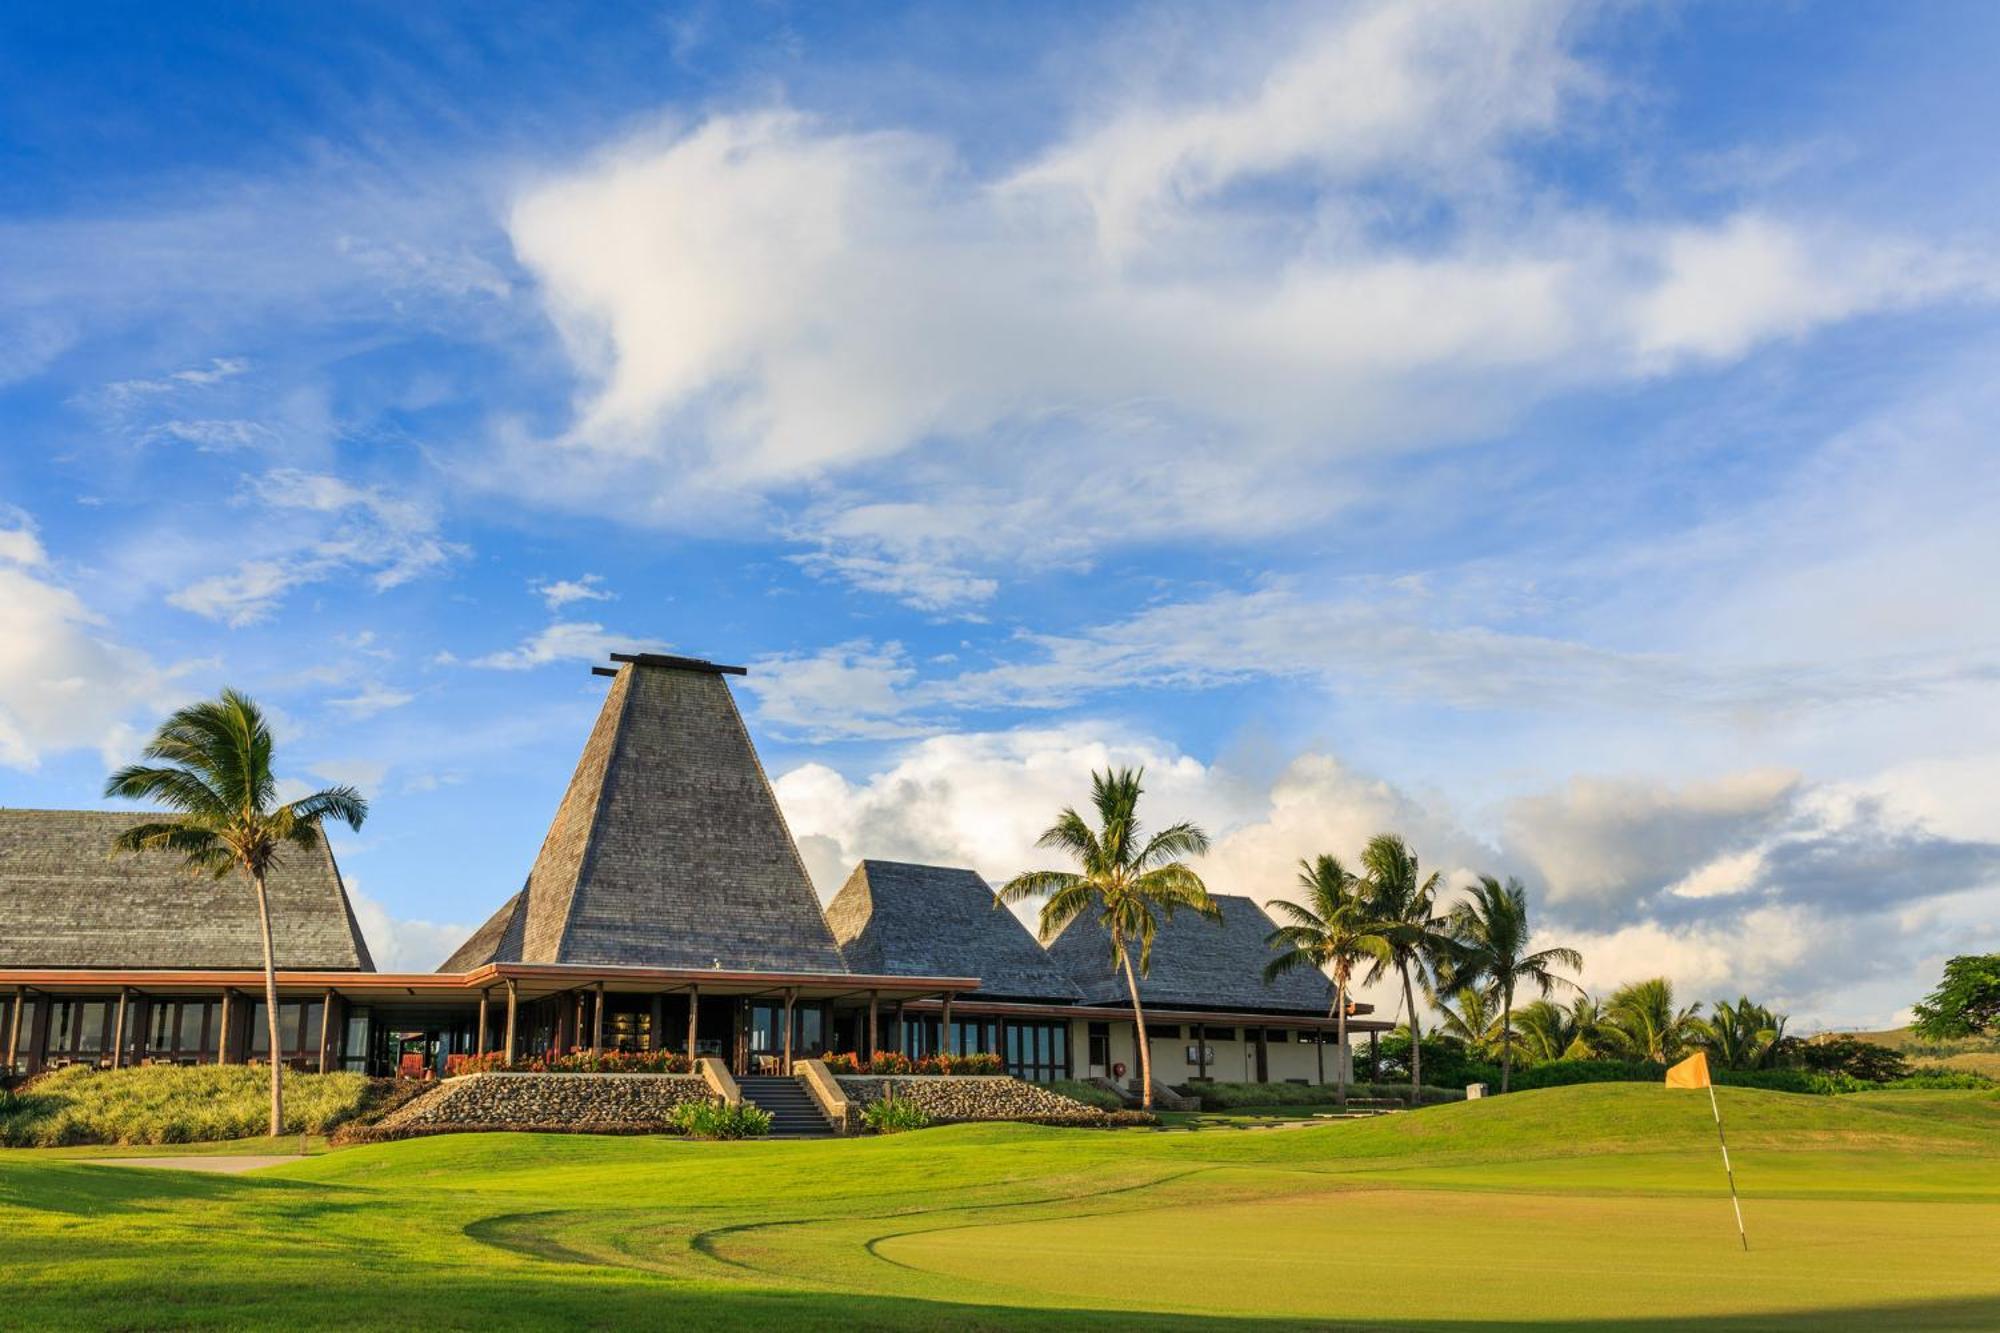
1402, 903
1642, 1023
1472, 1017
1331, 930
213, 767
1742, 1035
1489, 937
1123, 879
1550, 1031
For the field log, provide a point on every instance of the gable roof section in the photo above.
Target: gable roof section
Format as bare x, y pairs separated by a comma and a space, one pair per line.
898, 919
1197, 964
65, 903
668, 848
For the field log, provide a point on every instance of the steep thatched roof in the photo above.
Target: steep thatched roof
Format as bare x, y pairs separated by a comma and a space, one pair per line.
668, 848
65, 903
900, 919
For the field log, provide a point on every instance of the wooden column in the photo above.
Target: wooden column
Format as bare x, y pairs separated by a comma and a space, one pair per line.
485, 996
790, 995
874, 1023
1374, 1057
899, 1025
513, 1003
14, 1028
695, 1011
1319, 1052
223, 1026
1200, 1050
597, 1020
1263, 1056
944, 1028
326, 1028
658, 1030
118, 1029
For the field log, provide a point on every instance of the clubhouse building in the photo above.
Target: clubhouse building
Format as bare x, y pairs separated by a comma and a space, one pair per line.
668, 909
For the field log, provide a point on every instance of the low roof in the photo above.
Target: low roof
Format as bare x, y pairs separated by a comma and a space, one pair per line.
1197, 964
915, 920
65, 903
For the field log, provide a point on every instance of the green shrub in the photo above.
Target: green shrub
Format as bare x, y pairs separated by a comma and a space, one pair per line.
893, 1115
171, 1104
1938, 1079
1090, 1094
714, 1120
1857, 1059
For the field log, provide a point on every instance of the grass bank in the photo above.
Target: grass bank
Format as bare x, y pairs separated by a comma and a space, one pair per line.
166, 1104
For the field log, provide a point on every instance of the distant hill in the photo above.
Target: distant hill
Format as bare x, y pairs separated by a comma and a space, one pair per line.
1978, 1055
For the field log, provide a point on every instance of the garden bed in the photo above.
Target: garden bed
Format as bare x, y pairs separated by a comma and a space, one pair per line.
960, 1099
583, 1103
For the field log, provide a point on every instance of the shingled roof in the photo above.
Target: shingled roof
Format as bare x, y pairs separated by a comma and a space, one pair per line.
668, 849
65, 903
898, 919
1197, 964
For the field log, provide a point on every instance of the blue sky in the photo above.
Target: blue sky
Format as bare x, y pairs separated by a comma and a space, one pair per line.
1560, 432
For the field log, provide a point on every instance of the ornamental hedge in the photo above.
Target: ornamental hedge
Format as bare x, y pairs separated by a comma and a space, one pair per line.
971, 1064
575, 1062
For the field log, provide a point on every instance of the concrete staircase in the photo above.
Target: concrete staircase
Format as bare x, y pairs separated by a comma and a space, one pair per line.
794, 1113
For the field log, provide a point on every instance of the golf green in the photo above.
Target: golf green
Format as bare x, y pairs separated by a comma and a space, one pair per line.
1593, 1207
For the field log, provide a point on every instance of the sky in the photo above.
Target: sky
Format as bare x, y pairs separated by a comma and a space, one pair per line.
1561, 433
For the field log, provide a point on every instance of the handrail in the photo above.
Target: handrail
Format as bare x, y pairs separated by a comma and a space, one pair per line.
720, 1081
825, 1090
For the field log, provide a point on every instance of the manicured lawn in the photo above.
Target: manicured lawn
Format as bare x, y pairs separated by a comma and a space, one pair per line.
1598, 1207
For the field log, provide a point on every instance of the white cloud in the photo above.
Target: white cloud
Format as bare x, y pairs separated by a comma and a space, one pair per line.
564, 641
763, 299
392, 539
559, 593
65, 683
374, 698
400, 944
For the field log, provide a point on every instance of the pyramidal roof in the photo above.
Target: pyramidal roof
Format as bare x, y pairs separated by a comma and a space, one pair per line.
668, 849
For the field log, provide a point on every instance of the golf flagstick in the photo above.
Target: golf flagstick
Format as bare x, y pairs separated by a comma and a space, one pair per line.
1693, 1073
1728, 1170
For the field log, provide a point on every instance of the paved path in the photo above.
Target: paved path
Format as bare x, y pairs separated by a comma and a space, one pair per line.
226, 1165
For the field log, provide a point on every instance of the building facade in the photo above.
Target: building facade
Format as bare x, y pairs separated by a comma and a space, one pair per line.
667, 909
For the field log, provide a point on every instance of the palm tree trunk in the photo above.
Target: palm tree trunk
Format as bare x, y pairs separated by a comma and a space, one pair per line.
1506, 1036
1340, 1064
1416, 1044
270, 1005
1139, 1022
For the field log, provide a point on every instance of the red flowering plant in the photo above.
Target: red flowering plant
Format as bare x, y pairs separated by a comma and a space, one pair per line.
842, 1062
970, 1063
890, 1062
572, 1062
455, 1065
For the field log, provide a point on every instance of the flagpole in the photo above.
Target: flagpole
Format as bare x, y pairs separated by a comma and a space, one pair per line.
1727, 1169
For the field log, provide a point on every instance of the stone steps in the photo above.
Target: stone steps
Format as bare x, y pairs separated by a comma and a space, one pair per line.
794, 1113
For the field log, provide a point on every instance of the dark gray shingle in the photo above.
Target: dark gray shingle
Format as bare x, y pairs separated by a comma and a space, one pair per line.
899, 919
1197, 963
64, 902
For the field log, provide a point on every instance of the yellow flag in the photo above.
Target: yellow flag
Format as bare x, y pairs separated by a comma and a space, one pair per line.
1690, 1073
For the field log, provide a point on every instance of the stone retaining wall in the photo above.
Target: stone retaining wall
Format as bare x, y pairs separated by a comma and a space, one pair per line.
958, 1098
591, 1102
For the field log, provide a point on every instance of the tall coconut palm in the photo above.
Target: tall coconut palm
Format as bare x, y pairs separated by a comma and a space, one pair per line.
1124, 879
1742, 1035
1402, 901
1489, 946
213, 770
1641, 1021
1331, 931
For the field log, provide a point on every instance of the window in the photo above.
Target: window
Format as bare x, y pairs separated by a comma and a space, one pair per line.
1037, 1052
298, 1029
1217, 1034
1100, 1046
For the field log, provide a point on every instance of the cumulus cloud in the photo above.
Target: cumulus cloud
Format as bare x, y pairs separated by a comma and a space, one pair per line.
403, 944
764, 298
390, 539
564, 641
558, 593
65, 682
374, 698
